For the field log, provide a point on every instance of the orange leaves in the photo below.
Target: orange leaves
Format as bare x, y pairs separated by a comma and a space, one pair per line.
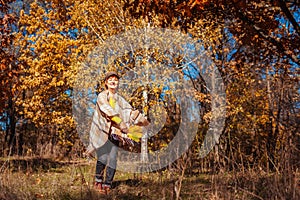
247, 107
9, 67
198, 4
166, 13
202, 97
47, 68
49, 53
2, 66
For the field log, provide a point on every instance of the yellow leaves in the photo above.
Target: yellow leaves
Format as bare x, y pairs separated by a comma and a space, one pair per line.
135, 130
40, 11
48, 53
135, 133
60, 83
22, 13
36, 73
202, 97
263, 119
30, 114
145, 109
33, 6
258, 94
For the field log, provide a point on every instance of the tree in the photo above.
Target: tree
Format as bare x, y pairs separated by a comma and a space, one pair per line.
49, 47
9, 76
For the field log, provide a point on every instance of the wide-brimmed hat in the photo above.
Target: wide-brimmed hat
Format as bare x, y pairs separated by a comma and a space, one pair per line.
111, 73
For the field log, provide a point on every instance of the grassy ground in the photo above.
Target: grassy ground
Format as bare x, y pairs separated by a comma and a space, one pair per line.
36, 178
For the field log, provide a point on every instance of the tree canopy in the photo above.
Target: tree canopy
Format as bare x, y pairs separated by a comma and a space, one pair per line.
254, 45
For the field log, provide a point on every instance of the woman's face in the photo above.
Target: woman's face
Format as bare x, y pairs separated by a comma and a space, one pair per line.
112, 82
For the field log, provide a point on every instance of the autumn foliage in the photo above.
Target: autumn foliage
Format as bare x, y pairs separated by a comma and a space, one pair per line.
254, 45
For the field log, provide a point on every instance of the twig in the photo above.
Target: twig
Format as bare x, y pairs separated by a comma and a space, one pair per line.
251, 193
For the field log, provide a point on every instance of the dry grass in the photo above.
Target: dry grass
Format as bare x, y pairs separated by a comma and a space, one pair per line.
41, 178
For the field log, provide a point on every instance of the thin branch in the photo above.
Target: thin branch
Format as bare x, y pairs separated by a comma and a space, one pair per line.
264, 35
88, 22
251, 193
289, 15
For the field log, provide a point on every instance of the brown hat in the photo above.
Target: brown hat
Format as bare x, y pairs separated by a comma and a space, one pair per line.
111, 73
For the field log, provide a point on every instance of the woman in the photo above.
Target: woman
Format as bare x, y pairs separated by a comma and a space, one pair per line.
113, 114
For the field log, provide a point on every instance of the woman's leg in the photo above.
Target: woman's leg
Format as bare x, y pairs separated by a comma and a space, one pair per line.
102, 156
99, 171
112, 165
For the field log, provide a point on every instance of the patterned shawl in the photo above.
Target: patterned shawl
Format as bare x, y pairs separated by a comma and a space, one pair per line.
102, 125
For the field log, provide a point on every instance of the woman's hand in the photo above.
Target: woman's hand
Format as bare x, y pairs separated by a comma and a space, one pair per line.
123, 127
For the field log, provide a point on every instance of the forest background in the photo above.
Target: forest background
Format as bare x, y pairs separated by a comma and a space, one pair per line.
255, 47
